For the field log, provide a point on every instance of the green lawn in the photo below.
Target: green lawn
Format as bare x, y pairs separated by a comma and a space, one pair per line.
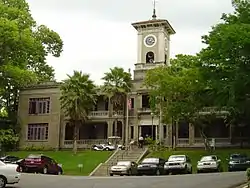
89, 159
196, 154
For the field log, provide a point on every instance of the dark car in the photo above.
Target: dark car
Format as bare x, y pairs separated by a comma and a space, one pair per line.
10, 159
238, 162
40, 164
151, 166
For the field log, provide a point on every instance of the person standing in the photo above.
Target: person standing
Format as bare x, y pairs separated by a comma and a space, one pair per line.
141, 140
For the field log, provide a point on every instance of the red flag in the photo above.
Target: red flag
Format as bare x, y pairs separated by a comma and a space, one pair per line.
129, 104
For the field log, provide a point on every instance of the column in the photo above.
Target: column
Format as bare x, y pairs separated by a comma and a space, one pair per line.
176, 133
169, 134
110, 127
191, 133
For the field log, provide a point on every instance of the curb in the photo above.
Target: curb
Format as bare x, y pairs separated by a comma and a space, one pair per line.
239, 185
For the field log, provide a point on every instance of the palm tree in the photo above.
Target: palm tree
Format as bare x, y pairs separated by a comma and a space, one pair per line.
117, 84
78, 95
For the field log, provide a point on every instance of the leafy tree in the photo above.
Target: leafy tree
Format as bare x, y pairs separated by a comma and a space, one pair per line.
225, 62
8, 138
180, 90
117, 84
77, 99
24, 47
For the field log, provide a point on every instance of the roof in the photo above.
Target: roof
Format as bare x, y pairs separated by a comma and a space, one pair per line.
43, 85
160, 22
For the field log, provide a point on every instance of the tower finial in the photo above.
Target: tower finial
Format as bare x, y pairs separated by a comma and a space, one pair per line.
154, 10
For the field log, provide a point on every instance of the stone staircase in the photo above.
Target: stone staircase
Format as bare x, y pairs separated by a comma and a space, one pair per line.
120, 155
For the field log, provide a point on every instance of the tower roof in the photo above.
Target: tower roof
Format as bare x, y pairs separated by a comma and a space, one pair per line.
154, 23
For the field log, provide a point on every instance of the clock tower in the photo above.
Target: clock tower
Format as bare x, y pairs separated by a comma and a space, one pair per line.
153, 44
153, 49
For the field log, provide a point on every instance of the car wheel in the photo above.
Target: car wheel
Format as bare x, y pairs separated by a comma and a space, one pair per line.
158, 173
59, 172
45, 170
129, 173
191, 171
3, 182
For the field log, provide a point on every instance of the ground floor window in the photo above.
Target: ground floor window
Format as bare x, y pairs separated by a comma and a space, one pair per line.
38, 131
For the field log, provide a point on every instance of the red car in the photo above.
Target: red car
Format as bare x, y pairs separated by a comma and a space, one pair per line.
40, 164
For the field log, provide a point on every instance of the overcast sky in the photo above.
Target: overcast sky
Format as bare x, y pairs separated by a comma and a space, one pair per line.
98, 35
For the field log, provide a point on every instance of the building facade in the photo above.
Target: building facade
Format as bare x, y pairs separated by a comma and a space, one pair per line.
42, 121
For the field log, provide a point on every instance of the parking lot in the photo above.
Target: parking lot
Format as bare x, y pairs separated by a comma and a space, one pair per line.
218, 180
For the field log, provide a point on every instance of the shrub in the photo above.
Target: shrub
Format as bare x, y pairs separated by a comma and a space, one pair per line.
36, 148
248, 174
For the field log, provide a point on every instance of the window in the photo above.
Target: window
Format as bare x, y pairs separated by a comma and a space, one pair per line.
38, 131
145, 101
132, 132
132, 103
39, 105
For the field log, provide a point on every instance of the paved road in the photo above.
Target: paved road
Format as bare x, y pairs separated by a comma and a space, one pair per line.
218, 180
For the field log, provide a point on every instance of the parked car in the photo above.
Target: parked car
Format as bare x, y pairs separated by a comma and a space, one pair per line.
106, 147
210, 163
151, 166
41, 164
238, 162
178, 164
124, 168
9, 174
10, 159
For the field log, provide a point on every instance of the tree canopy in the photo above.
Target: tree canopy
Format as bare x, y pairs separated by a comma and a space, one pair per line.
217, 76
24, 47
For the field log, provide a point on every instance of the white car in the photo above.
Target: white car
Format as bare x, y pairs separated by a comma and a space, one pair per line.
124, 168
9, 174
178, 164
209, 163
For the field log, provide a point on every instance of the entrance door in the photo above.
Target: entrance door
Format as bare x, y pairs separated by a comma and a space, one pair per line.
146, 130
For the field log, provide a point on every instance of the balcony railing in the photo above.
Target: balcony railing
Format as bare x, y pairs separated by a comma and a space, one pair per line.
118, 113
99, 114
146, 66
83, 144
209, 110
144, 110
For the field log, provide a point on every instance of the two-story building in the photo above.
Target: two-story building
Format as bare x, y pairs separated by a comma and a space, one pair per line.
42, 121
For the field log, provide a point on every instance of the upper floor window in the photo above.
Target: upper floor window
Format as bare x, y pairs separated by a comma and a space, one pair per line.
39, 105
38, 131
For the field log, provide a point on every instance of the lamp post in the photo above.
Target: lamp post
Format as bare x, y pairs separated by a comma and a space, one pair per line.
116, 121
152, 125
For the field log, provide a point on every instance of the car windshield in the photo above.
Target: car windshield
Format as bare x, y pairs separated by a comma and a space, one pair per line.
150, 161
123, 163
34, 156
2, 163
208, 158
176, 158
237, 156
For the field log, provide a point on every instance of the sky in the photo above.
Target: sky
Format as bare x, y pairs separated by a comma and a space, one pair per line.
98, 35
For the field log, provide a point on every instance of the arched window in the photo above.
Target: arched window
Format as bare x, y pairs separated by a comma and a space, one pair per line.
150, 57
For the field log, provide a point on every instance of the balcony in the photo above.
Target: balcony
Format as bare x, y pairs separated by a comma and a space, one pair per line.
215, 110
144, 110
99, 114
119, 113
146, 66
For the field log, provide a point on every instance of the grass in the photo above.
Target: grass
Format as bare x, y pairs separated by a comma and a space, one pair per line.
89, 159
196, 154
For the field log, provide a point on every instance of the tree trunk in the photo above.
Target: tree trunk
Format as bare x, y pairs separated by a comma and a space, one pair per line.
205, 140
76, 127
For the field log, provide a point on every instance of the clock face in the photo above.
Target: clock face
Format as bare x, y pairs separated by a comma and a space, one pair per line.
150, 40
